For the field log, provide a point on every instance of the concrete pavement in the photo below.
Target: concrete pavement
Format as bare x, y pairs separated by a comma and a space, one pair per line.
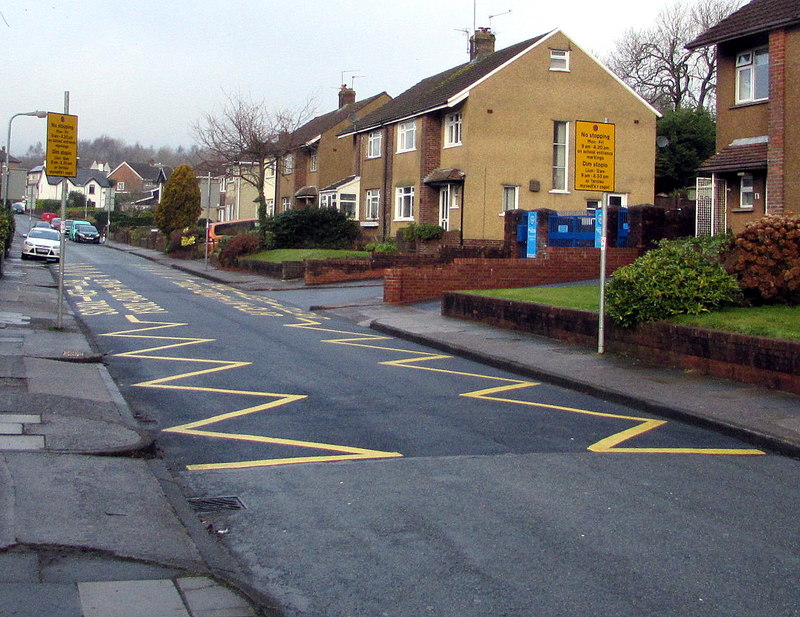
91, 525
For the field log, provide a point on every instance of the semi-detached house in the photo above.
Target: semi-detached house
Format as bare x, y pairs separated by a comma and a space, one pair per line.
497, 133
755, 169
320, 169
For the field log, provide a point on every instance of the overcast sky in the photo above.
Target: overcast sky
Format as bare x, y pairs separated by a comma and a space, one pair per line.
144, 71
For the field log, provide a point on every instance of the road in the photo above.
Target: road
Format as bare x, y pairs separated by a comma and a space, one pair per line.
367, 476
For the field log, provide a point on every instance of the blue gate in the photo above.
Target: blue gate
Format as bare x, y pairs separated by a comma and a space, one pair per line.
571, 230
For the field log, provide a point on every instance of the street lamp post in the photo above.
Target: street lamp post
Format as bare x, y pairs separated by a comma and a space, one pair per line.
37, 114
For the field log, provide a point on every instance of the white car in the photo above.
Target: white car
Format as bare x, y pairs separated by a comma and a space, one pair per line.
41, 243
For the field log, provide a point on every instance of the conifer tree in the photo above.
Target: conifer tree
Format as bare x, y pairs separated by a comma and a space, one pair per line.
180, 202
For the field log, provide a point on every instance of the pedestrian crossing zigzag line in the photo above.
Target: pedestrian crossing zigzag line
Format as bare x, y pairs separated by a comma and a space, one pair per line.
197, 428
610, 444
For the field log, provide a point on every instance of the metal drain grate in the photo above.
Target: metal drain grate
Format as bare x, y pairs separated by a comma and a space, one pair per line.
216, 504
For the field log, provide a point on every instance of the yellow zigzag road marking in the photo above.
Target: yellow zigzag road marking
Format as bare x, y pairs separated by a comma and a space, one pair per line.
606, 445
348, 453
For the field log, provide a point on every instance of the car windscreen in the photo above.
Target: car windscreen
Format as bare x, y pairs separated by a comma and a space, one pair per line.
82, 229
45, 234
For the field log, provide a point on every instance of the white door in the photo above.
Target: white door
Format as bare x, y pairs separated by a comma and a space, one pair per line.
444, 207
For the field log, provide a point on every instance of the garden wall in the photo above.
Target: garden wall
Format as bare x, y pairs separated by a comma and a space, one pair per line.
766, 362
555, 265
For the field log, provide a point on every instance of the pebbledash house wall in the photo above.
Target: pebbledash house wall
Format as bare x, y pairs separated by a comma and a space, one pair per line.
770, 363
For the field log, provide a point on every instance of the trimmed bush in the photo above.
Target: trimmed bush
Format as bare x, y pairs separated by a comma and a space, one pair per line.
422, 231
765, 259
381, 247
321, 228
238, 246
681, 277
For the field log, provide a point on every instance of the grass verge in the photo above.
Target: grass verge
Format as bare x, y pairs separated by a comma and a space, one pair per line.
781, 322
281, 255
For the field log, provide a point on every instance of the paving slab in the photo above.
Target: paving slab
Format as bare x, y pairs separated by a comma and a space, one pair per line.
156, 598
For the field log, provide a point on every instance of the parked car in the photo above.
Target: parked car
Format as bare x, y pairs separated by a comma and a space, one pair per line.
86, 233
55, 223
18, 207
41, 243
73, 228
42, 225
48, 216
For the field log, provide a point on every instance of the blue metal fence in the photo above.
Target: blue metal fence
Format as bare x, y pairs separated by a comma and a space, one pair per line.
571, 230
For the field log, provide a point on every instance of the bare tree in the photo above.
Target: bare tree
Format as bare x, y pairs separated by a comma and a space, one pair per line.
655, 62
248, 138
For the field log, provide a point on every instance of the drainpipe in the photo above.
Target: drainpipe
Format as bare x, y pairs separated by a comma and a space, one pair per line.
385, 205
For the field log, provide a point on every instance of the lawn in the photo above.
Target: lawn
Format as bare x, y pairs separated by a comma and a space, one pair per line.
781, 322
281, 255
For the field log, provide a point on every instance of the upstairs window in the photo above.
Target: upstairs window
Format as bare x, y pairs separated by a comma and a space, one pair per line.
407, 136
313, 161
288, 164
269, 169
452, 129
752, 76
559, 60
374, 144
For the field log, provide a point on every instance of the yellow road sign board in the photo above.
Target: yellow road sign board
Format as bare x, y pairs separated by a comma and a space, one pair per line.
62, 145
594, 156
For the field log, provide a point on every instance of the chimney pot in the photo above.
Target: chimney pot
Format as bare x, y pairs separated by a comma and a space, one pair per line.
481, 44
346, 96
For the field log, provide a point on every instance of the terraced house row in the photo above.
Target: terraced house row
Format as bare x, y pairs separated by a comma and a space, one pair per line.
461, 148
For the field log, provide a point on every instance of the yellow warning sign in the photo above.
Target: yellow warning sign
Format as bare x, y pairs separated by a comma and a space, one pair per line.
594, 156
61, 159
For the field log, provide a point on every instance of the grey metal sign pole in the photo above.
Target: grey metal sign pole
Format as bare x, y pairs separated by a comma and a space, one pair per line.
62, 245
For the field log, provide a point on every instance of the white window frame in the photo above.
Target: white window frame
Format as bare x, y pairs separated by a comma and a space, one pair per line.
288, 164
374, 144
373, 205
510, 197
559, 60
120, 186
270, 207
558, 147
748, 71
746, 197
269, 169
286, 203
407, 136
452, 129
328, 200
404, 203
348, 203
313, 161
618, 200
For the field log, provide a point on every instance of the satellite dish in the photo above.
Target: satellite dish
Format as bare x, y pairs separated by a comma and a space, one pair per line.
662, 141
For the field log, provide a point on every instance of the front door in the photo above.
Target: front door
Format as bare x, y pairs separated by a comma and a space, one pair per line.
444, 207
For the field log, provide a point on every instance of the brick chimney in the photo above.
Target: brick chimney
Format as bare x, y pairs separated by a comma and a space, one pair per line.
481, 44
346, 96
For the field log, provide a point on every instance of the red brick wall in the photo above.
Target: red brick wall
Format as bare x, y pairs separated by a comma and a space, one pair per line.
767, 362
556, 265
777, 122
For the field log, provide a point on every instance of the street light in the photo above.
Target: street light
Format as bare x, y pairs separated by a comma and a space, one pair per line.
37, 114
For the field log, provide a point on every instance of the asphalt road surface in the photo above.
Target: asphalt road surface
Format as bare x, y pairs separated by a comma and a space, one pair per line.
367, 476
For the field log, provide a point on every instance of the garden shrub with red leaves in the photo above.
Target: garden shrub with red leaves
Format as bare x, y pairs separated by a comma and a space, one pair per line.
765, 259
233, 248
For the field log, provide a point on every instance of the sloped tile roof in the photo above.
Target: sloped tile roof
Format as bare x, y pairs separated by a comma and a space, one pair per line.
757, 16
83, 178
435, 91
737, 158
320, 124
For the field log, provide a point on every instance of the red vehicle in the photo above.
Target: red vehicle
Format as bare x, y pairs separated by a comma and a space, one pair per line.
48, 216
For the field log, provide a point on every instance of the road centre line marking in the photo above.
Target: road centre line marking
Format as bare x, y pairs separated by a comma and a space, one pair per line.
608, 444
